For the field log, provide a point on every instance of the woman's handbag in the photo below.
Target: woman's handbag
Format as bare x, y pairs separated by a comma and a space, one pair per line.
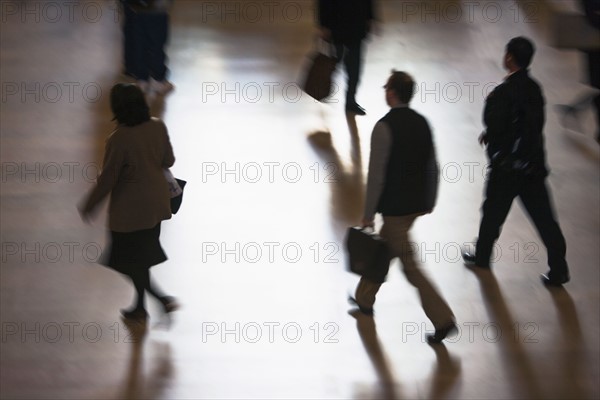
175, 189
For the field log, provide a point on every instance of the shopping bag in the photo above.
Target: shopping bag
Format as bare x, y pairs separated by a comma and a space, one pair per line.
368, 254
175, 190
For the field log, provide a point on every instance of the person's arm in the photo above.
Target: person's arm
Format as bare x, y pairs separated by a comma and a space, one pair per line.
113, 161
169, 157
496, 117
381, 144
325, 16
531, 129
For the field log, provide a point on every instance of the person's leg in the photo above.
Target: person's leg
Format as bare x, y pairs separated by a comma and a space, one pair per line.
138, 311
500, 192
594, 72
397, 235
138, 47
143, 283
156, 32
353, 65
365, 295
138, 284
148, 285
536, 200
129, 40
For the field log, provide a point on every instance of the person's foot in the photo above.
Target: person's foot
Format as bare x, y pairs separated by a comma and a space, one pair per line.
162, 87
470, 260
550, 279
139, 315
442, 333
365, 310
354, 108
169, 304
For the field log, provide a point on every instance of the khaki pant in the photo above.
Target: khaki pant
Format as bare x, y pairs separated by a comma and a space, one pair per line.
395, 232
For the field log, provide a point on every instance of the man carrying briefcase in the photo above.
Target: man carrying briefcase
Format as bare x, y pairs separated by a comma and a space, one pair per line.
402, 185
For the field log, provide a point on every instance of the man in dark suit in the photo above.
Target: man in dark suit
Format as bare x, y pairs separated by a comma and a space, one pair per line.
514, 118
347, 23
402, 186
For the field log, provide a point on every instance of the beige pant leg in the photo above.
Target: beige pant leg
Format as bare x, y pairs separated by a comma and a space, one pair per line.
366, 292
396, 232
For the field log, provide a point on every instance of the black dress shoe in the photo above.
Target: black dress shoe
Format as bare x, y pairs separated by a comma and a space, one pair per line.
552, 280
442, 333
355, 109
365, 310
469, 259
170, 304
135, 315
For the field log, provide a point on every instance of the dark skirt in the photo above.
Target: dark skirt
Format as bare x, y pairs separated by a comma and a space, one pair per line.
130, 251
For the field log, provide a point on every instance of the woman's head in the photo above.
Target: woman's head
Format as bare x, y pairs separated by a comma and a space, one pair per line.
128, 104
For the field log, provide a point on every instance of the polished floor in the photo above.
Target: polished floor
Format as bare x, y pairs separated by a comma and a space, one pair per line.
256, 253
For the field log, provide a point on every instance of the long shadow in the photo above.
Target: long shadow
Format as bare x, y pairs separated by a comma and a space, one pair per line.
443, 376
517, 364
388, 388
572, 346
137, 384
347, 184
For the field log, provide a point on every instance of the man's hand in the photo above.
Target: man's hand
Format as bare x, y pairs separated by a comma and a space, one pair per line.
374, 27
483, 139
368, 223
325, 34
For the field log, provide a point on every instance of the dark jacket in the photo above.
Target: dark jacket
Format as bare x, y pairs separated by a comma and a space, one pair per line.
591, 8
514, 120
153, 6
348, 20
411, 178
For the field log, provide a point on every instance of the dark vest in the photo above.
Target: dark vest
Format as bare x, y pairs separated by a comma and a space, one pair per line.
412, 173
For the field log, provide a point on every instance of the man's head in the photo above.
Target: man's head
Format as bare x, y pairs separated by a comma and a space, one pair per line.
399, 88
519, 52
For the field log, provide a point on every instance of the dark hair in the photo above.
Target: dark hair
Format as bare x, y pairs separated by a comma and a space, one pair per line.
522, 50
402, 84
128, 104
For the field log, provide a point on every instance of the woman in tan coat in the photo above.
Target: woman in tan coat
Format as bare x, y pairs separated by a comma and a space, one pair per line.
136, 154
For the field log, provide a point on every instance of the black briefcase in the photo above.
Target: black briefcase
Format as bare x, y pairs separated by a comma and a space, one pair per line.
317, 82
368, 254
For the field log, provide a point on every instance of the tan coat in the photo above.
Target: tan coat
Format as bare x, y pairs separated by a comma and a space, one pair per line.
132, 173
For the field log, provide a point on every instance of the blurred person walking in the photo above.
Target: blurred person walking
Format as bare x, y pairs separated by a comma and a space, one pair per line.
346, 23
145, 34
514, 119
136, 154
592, 14
402, 186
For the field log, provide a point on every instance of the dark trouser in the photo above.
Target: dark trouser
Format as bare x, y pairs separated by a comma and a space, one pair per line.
502, 187
128, 39
351, 54
594, 73
150, 33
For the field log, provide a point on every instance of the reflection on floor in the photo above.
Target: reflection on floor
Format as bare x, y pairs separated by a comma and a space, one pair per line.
256, 253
